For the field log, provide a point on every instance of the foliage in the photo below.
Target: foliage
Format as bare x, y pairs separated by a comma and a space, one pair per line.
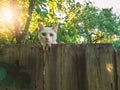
77, 23
116, 45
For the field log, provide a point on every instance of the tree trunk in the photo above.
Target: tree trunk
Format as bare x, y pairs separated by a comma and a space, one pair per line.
20, 37
30, 10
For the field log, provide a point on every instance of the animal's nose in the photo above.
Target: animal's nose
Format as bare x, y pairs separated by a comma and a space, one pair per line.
46, 38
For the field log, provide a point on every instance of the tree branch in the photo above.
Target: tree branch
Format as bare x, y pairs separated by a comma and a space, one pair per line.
25, 31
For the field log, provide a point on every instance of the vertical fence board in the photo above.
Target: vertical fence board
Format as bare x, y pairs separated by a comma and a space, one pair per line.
118, 70
99, 60
50, 61
68, 72
39, 70
67, 67
28, 58
72, 70
63, 68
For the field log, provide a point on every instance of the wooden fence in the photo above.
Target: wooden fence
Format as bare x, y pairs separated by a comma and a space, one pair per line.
65, 67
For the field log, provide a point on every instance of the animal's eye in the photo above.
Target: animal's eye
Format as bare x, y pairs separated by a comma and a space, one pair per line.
44, 34
51, 34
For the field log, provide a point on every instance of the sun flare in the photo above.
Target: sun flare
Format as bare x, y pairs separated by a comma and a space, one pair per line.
6, 15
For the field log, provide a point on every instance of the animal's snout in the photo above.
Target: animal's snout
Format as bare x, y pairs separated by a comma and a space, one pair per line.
46, 38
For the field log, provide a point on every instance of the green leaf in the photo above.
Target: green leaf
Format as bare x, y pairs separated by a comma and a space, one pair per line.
116, 45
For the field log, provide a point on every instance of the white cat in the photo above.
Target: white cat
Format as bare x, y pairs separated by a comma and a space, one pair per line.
47, 35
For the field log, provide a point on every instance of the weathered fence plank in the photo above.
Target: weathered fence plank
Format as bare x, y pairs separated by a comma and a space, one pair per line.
118, 70
62, 68
100, 68
67, 67
28, 57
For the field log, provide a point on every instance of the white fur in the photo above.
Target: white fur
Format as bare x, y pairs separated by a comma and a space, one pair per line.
47, 40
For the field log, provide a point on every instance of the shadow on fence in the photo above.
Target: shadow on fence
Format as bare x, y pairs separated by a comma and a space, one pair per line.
65, 67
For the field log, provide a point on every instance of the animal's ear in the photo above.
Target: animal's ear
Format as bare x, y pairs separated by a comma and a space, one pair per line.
55, 28
40, 26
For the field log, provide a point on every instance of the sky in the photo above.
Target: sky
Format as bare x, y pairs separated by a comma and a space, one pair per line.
105, 4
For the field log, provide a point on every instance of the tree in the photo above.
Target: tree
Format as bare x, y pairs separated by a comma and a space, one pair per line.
77, 23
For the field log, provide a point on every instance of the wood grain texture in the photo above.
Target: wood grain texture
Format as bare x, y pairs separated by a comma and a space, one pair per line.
100, 67
67, 67
117, 66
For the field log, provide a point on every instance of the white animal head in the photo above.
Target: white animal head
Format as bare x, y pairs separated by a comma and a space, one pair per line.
47, 35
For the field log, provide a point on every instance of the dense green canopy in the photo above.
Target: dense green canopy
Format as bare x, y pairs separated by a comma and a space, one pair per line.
77, 23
